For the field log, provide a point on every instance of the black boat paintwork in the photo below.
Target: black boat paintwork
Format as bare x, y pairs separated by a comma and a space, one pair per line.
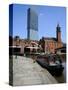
56, 69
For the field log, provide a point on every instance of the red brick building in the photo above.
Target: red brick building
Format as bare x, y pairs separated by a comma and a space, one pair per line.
50, 44
45, 44
23, 44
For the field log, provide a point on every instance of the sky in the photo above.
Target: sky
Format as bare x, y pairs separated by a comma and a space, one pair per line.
48, 18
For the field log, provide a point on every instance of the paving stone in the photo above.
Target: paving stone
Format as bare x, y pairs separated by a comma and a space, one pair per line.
25, 72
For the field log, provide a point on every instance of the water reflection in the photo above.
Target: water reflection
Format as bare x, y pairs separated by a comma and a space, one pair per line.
62, 78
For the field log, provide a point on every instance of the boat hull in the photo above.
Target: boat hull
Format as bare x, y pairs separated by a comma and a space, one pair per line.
54, 70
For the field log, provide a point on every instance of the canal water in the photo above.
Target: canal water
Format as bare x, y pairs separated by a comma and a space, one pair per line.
62, 78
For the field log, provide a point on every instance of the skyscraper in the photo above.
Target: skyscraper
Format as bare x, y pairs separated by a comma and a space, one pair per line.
32, 25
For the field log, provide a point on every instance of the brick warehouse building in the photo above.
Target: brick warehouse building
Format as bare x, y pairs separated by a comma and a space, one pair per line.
20, 45
50, 44
45, 44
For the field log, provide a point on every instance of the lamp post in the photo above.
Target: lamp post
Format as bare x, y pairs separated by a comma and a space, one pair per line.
16, 38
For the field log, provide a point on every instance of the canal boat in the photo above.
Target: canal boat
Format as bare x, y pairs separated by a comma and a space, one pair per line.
52, 63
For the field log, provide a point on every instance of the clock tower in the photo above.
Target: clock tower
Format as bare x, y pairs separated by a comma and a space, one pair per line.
58, 33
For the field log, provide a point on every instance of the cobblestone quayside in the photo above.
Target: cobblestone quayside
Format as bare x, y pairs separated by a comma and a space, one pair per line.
25, 72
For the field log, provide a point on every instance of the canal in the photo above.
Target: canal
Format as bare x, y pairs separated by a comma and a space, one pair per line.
62, 78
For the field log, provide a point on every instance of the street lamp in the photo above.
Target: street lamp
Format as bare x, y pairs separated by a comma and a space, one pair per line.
17, 39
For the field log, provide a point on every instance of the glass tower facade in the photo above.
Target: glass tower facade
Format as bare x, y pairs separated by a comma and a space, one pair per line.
32, 25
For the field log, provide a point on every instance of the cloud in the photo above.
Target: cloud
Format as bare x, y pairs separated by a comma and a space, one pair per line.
41, 14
